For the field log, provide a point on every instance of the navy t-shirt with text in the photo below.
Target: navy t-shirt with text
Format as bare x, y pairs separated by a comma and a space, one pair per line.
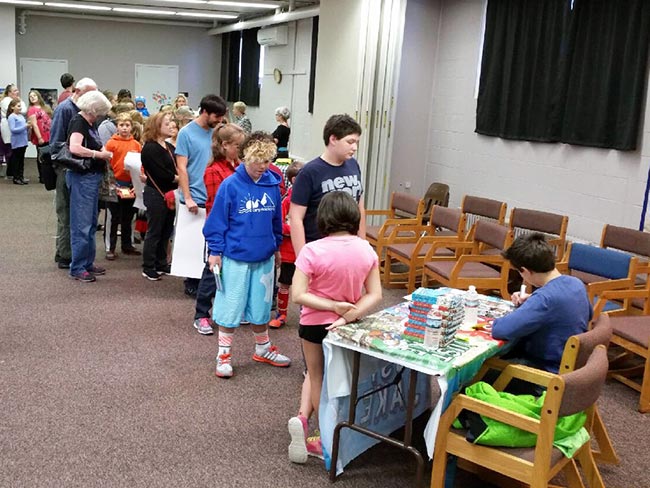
317, 178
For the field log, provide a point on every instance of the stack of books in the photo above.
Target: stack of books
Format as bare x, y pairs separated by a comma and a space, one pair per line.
433, 318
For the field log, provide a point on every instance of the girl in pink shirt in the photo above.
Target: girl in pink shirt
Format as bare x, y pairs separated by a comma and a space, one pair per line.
329, 282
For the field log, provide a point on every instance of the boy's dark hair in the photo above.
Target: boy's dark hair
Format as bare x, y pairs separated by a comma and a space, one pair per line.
213, 104
67, 80
339, 126
531, 251
123, 94
338, 212
293, 170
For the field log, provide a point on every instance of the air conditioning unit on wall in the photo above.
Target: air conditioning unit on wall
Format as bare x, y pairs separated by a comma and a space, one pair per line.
277, 35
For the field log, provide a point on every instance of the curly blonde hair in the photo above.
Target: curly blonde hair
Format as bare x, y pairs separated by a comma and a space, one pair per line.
259, 146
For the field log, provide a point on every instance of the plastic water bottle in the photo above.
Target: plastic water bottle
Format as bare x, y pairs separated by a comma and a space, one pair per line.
471, 306
432, 329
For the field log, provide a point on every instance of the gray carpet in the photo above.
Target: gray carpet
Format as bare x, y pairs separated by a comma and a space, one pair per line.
108, 384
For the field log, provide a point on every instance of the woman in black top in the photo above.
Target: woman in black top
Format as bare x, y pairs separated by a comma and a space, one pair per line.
84, 184
158, 162
282, 132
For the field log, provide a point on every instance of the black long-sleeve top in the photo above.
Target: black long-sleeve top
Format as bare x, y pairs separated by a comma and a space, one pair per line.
159, 165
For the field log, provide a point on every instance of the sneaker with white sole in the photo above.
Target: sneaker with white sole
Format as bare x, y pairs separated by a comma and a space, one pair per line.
273, 357
298, 445
224, 368
203, 326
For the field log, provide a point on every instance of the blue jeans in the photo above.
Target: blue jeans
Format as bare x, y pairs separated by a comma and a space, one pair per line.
84, 194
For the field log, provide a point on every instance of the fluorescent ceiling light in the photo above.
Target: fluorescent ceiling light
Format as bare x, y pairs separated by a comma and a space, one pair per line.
207, 15
185, 1
227, 3
21, 2
77, 6
143, 11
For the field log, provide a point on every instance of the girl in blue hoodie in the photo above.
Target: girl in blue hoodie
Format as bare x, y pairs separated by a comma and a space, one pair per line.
244, 232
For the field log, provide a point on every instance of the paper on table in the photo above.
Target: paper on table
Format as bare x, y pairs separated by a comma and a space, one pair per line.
133, 164
189, 244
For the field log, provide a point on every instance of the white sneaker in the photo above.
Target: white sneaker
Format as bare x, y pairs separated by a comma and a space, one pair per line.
298, 446
224, 369
273, 357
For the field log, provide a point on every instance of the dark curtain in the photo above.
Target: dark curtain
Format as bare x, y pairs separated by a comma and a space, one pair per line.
605, 84
230, 64
312, 67
557, 70
250, 68
520, 67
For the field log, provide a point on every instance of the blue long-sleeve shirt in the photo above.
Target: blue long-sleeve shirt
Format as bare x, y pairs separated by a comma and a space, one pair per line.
18, 127
545, 321
63, 114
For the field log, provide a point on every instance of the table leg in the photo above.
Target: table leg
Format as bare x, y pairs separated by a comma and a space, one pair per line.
349, 423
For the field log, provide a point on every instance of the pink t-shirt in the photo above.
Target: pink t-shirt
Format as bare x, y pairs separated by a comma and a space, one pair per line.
337, 268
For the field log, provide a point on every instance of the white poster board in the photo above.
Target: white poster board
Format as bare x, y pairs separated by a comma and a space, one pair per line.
189, 244
158, 83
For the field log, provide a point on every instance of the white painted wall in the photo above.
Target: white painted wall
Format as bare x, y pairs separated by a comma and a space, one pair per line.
412, 117
592, 186
292, 92
107, 51
8, 42
338, 64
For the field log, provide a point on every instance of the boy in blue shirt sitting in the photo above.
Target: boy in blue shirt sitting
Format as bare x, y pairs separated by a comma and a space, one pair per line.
544, 320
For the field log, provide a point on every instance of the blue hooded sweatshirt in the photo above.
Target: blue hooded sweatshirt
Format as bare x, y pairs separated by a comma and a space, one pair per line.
245, 223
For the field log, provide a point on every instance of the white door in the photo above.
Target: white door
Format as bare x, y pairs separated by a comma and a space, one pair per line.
43, 75
158, 83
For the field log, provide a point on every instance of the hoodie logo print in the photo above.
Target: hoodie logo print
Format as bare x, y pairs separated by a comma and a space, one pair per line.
252, 204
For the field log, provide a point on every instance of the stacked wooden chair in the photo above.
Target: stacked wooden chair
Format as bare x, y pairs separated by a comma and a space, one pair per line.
444, 236
396, 229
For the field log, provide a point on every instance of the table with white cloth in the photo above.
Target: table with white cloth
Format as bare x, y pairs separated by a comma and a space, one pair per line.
369, 364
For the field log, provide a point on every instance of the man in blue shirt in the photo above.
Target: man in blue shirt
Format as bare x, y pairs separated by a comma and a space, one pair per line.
544, 320
59, 133
193, 154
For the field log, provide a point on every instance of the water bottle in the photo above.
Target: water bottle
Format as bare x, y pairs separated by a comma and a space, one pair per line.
432, 329
471, 306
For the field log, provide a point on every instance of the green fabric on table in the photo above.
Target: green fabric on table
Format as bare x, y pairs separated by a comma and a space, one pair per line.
570, 434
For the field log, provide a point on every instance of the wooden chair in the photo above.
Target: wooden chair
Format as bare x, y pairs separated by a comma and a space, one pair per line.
632, 334
535, 466
577, 350
443, 222
474, 268
380, 235
478, 208
616, 270
523, 221
436, 194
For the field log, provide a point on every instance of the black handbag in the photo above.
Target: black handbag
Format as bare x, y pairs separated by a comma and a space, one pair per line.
48, 175
60, 154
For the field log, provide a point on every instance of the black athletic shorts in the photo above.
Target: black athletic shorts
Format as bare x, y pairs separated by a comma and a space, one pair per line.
313, 333
286, 273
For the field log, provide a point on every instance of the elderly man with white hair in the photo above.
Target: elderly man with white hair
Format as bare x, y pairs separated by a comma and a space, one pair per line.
63, 114
84, 184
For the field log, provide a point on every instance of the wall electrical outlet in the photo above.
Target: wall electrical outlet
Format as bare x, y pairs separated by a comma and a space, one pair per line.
407, 185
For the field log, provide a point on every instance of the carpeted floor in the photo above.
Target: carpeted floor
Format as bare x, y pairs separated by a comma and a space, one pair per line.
108, 384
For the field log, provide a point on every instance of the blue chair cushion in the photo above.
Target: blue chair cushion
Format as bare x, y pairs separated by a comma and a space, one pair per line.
608, 263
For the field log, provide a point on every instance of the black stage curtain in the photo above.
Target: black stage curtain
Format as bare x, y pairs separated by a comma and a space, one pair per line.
312, 67
563, 70
230, 63
250, 68
605, 85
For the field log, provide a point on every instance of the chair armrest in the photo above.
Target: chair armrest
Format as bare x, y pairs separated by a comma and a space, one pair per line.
605, 296
387, 213
490, 364
438, 244
502, 415
432, 239
525, 373
417, 229
598, 287
562, 267
480, 258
